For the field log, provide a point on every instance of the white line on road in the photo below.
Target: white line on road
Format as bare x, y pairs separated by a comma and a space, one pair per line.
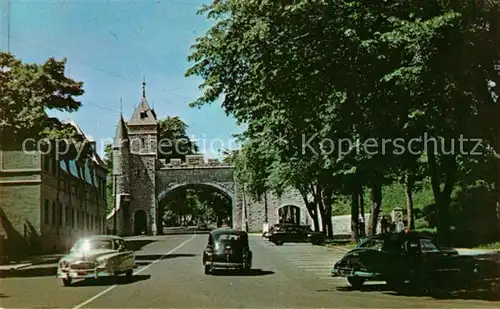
137, 272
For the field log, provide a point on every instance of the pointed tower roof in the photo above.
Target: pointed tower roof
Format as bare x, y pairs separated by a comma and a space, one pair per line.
143, 114
121, 133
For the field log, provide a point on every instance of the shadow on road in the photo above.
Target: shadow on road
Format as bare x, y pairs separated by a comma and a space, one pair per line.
138, 244
143, 260
487, 290
248, 273
2, 295
185, 232
121, 280
31, 272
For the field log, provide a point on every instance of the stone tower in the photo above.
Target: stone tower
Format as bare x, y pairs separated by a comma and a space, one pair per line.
121, 174
143, 138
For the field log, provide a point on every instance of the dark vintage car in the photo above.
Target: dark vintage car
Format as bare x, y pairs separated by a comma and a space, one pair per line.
227, 249
401, 257
297, 234
276, 227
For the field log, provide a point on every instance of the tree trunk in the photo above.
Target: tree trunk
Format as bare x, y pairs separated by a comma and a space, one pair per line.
355, 216
410, 182
265, 207
327, 198
442, 198
376, 196
362, 228
311, 209
497, 190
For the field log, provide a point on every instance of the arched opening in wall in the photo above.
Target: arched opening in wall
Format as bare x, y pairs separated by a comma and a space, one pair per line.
289, 214
140, 222
193, 207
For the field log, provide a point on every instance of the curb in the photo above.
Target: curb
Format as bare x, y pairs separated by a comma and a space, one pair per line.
339, 248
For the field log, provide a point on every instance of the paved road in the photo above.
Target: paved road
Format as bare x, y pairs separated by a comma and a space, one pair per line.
170, 275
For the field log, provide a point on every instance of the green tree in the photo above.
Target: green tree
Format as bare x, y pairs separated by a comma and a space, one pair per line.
355, 70
173, 141
27, 91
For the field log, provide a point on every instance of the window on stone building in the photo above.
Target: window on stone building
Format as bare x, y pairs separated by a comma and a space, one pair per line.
54, 213
46, 212
78, 219
67, 215
72, 218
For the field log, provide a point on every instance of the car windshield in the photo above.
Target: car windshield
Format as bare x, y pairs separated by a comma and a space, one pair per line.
92, 244
375, 244
427, 246
228, 237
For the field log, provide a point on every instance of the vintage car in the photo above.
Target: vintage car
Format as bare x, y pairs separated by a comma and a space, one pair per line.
295, 234
401, 257
227, 249
276, 227
95, 257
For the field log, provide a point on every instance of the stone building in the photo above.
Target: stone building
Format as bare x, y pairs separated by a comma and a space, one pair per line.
44, 204
142, 180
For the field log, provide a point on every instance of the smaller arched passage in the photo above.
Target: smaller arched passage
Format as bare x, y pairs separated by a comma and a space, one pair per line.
140, 222
227, 193
289, 214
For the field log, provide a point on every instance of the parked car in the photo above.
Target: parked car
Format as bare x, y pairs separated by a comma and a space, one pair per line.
227, 249
295, 233
406, 256
277, 227
95, 257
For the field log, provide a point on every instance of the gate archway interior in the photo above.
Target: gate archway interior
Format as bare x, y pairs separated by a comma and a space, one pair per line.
289, 214
140, 222
194, 204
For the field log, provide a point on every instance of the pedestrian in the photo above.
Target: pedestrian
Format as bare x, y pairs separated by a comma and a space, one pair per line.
383, 224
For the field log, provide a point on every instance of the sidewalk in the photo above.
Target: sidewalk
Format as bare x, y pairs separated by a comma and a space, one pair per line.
466, 251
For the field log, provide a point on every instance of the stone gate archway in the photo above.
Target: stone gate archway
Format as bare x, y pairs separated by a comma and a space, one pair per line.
164, 195
289, 214
220, 177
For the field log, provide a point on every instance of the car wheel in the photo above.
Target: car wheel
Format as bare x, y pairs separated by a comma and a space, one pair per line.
356, 282
208, 270
129, 273
66, 281
278, 242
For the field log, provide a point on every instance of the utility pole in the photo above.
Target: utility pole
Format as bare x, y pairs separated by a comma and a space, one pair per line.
8, 25
5, 17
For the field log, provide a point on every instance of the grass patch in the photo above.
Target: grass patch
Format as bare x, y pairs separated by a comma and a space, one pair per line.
495, 245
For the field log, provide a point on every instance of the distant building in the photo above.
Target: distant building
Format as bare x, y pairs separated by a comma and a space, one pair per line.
33, 218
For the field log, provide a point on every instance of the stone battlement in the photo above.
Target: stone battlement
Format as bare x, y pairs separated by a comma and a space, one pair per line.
193, 161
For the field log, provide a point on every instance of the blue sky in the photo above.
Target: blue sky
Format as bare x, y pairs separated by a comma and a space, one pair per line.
109, 46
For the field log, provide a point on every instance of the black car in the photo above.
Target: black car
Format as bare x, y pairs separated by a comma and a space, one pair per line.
227, 249
276, 227
294, 233
401, 257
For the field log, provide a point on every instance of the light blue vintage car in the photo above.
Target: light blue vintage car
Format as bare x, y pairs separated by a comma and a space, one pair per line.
95, 257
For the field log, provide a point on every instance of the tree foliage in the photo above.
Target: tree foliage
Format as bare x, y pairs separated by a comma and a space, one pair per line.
27, 91
352, 71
